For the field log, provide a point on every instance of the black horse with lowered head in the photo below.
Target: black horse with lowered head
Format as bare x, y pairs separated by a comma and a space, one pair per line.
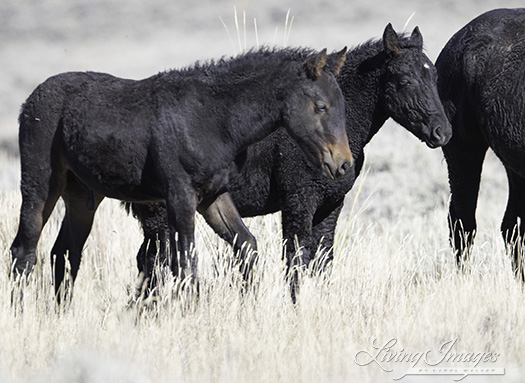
172, 137
482, 85
391, 77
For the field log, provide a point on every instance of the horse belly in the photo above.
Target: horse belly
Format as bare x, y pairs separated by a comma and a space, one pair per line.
110, 162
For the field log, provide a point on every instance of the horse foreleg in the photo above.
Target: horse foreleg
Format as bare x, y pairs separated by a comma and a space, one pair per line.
512, 226
297, 223
181, 209
222, 216
152, 217
323, 232
464, 161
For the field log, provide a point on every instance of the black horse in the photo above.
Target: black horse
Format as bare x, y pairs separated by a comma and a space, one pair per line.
482, 86
380, 79
172, 137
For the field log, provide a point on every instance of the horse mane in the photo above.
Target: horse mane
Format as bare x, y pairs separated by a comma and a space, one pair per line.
263, 58
370, 53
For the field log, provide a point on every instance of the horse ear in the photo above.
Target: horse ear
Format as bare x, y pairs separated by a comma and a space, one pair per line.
391, 40
416, 37
315, 64
338, 62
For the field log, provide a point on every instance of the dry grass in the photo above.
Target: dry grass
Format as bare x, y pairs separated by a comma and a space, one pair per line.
388, 281
393, 276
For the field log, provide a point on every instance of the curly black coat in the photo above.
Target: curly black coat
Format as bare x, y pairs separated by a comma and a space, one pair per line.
171, 137
481, 83
391, 77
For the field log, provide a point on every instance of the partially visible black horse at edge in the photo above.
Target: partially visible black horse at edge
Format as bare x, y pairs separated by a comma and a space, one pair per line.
172, 137
482, 86
380, 79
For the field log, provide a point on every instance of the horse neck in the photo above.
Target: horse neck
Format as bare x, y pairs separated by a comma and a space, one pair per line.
262, 112
360, 82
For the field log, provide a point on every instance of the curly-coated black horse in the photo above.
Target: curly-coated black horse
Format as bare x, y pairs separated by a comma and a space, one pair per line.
172, 137
482, 86
391, 77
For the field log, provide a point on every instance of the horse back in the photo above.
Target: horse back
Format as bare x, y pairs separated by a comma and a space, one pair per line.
90, 95
94, 124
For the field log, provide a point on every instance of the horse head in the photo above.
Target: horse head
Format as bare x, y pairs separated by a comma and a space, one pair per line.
316, 114
410, 89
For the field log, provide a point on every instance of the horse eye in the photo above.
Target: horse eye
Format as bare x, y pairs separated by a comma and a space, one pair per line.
321, 107
403, 82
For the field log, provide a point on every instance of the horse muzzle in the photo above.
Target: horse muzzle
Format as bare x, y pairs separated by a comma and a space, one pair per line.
439, 132
439, 136
337, 160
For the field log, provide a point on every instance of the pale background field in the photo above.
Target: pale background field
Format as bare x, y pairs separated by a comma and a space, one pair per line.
393, 274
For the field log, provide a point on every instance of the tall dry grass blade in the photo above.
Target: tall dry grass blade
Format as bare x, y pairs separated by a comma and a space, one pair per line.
244, 28
256, 33
408, 21
229, 35
237, 27
287, 28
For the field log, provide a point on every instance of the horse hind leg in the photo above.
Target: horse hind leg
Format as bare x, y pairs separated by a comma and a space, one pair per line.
81, 204
223, 217
513, 226
40, 193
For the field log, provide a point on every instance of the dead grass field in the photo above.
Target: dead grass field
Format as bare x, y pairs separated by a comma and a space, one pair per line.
393, 276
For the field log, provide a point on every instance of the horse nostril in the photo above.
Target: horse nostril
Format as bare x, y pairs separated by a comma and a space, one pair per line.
437, 133
344, 168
